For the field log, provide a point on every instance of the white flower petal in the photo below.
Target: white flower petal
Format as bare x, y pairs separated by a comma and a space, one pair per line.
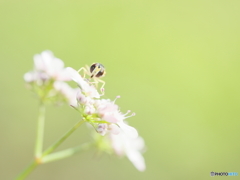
128, 130
89, 90
58, 63
29, 76
76, 77
38, 63
131, 147
137, 159
114, 129
63, 76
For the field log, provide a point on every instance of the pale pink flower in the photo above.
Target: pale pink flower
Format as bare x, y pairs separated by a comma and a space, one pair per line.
86, 88
101, 109
52, 66
109, 111
131, 147
46, 66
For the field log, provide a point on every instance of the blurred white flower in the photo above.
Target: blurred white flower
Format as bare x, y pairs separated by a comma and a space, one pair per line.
46, 79
128, 130
47, 66
133, 148
52, 66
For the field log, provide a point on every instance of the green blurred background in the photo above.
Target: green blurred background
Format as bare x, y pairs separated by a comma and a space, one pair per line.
175, 63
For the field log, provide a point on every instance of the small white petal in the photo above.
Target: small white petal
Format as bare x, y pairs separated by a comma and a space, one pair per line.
58, 63
52, 66
76, 77
137, 159
128, 130
38, 63
114, 129
47, 58
89, 90
29, 77
63, 76
131, 147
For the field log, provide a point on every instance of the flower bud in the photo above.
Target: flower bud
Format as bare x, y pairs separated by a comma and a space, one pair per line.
89, 109
102, 129
81, 98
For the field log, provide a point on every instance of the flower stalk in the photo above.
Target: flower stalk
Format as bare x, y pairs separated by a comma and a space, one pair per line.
40, 131
66, 153
27, 171
63, 138
45, 157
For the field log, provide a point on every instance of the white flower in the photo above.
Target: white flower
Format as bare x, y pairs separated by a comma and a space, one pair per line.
52, 66
103, 114
47, 66
109, 111
68, 92
86, 88
131, 147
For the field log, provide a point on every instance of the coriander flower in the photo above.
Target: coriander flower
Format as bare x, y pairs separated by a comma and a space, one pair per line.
46, 80
105, 115
47, 66
52, 66
108, 111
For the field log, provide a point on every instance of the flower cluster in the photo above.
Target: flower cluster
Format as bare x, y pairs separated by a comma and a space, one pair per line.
49, 75
48, 78
103, 114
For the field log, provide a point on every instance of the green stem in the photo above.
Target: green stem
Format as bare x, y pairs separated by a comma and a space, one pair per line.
60, 141
40, 131
27, 171
66, 153
38, 160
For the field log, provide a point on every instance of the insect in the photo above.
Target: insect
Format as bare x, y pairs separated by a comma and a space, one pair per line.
95, 71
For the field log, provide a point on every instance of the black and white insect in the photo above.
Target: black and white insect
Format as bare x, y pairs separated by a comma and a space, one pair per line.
95, 72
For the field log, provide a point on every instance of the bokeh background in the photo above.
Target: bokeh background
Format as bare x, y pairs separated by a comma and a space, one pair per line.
175, 63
